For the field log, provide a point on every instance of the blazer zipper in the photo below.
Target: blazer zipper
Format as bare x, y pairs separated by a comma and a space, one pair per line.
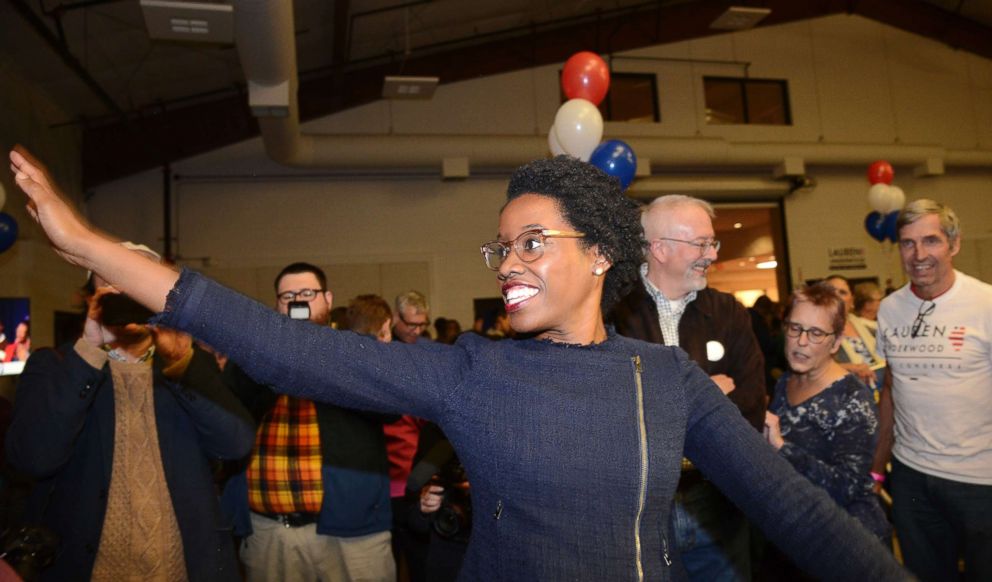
643, 442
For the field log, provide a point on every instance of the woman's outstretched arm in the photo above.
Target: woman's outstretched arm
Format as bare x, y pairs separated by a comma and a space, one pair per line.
293, 357
76, 241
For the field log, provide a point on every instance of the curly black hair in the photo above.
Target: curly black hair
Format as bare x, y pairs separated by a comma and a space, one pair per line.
592, 202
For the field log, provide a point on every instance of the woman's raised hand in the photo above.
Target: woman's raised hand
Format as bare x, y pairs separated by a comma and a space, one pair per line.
144, 280
65, 229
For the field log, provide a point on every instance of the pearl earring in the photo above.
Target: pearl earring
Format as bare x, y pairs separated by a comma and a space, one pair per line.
599, 271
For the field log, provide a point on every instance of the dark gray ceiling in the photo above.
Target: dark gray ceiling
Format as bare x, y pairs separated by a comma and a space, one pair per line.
143, 103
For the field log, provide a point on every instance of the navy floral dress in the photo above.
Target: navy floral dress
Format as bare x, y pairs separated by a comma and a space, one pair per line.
830, 439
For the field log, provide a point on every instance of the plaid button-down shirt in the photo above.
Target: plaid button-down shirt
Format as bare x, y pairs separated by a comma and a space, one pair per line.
285, 471
669, 312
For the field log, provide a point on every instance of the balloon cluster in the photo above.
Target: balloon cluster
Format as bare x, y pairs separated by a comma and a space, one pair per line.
885, 201
578, 126
8, 226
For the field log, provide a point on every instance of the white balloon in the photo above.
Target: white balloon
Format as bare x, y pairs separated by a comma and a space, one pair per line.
896, 199
3, 197
578, 127
878, 196
553, 145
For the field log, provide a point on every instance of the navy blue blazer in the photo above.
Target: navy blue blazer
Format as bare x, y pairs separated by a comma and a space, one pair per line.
573, 452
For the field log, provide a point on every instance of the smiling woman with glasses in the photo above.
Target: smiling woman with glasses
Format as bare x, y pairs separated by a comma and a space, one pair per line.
573, 438
822, 418
529, 246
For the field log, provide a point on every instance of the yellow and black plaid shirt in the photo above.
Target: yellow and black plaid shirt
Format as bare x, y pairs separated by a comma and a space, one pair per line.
284, 474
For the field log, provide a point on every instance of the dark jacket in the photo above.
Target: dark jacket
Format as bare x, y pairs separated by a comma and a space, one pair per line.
712, 316
63, 435
355, 471
573, 452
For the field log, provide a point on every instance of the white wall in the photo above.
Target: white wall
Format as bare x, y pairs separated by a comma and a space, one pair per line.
851, 81
833, 216
244, 231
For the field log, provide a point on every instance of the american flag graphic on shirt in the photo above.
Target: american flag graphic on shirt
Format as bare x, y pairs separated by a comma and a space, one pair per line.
956, 337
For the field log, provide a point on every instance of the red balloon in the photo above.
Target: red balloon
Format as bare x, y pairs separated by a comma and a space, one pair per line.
585, 76
880, 172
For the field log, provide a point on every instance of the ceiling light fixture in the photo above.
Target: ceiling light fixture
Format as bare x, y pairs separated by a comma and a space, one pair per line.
767, 264
740, 18
409, 87
189, 25
189, 21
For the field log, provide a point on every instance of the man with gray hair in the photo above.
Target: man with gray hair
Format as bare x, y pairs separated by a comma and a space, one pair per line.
674, 307
412, 316
936, 333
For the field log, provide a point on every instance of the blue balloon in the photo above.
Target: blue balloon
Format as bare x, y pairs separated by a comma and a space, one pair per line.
8, 231
616, 159
875, 225
891, 232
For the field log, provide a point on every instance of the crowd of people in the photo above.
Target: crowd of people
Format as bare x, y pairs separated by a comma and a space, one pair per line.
633, 423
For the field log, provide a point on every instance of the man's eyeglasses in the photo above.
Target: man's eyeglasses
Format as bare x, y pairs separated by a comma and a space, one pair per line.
529, 246
415, 324
815, 335
926, 309
307, 295
703, 245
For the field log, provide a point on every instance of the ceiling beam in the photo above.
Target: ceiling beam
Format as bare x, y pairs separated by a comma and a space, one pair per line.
931, 21
341, 32
58, 45
169, 133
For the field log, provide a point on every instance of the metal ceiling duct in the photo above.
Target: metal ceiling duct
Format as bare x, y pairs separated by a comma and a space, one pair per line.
265, 39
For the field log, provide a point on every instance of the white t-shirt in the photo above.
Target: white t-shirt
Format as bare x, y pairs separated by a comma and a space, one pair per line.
942, 379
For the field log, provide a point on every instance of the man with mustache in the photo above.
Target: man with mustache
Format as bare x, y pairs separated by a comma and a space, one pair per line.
935, 333
674, 307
